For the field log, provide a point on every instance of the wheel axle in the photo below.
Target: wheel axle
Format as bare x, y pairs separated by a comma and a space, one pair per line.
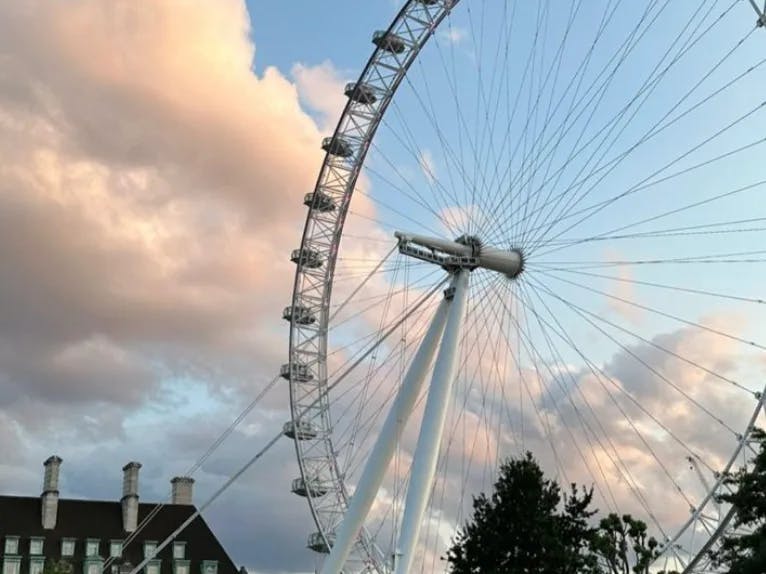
466, 252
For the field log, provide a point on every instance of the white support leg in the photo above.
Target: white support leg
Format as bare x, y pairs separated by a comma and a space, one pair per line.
429, 441
380, 456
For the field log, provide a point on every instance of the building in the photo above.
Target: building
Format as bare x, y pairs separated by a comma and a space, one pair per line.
91, 536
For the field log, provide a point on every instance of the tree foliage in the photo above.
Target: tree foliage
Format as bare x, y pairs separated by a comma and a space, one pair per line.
746, 553
624, 546
527, 526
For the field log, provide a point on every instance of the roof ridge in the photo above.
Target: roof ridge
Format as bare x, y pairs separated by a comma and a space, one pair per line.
114, 501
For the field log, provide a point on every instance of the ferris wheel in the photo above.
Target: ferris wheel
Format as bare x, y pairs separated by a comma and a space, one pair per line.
555, 244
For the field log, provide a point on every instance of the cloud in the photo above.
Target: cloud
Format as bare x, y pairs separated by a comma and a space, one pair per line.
149, 181
318, 87
426, 160
151, 190
454, 34
622, 289
643, 392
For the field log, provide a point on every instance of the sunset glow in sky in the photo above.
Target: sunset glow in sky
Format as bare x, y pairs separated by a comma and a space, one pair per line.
154, 157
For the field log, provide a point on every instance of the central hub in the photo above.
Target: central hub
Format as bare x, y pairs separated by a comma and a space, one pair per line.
471, 241
466, 252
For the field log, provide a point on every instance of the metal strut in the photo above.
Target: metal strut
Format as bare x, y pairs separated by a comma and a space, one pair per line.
459, 257
467, 252
704, 482
431, 430
444, 333
380, 456
761, 13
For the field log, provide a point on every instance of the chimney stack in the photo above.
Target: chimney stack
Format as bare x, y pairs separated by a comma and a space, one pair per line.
50, 495
130, 496
182, 489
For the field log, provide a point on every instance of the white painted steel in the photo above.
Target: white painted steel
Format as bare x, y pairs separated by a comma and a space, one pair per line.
328, 204
432, 427
451, 247
506, 261
380, 456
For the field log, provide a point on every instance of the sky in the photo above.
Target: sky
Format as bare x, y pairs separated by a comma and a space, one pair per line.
154, 160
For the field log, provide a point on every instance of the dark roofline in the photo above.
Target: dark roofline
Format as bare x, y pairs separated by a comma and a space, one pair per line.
102, 519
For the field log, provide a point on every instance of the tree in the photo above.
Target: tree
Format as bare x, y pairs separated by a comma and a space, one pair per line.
526, 526
624, 546
746, 553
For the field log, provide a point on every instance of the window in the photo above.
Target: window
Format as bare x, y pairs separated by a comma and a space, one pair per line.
11, 565
35, 546
92, 566
181, 567
179, 550
153, 567
36, 565
62, 566
67, 547
115, 549
11, 544
91, 547
149, 548
209, 567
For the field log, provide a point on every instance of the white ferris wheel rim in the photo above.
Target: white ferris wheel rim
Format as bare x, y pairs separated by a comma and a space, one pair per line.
310, 313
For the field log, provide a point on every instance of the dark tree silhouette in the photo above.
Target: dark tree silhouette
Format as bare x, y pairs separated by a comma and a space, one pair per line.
746, 553
526, 526
624, 546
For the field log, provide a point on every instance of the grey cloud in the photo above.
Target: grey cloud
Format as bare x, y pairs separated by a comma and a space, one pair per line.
148, 205
147, 209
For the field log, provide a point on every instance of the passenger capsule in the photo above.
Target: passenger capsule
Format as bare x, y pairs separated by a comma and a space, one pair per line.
301, 430
319, 201
299, 314
360, 93
389, 42
337, 146
312, 487
316, 542
306, 258
300, 372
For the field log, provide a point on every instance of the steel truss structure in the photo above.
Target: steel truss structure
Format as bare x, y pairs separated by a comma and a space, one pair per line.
321, 481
